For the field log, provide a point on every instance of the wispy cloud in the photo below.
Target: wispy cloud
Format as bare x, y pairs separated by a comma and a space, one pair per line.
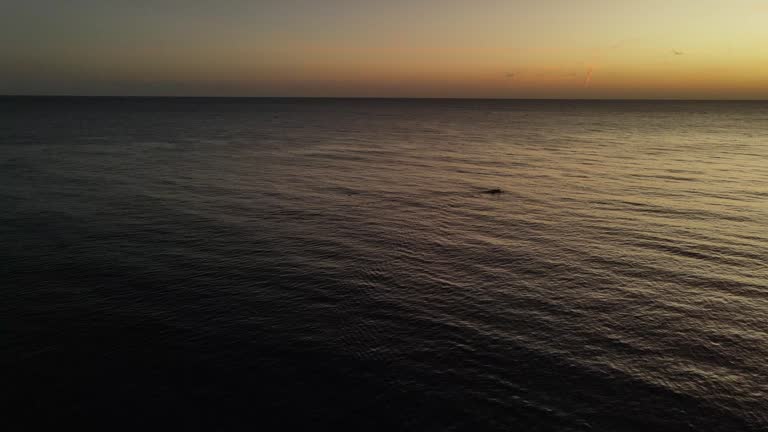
623, 43
554, 72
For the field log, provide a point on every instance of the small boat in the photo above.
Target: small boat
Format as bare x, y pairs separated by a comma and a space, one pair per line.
493, 191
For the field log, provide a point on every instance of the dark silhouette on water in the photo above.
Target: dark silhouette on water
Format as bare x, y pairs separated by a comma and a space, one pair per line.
493, 191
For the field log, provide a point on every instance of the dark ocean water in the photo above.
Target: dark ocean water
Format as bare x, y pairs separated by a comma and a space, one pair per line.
266, 264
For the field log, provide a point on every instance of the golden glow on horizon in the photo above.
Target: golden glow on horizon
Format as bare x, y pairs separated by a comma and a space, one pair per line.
488, 48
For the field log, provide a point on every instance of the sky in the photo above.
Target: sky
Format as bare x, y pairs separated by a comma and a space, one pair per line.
649, 49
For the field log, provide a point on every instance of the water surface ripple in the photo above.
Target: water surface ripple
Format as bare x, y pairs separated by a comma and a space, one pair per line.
227, 264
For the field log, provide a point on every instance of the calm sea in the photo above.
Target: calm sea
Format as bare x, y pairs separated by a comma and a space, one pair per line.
277, 264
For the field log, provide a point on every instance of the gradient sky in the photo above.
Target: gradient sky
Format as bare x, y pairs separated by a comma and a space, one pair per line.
699, 49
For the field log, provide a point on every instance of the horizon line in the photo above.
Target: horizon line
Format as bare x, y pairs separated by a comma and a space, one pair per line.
117, 96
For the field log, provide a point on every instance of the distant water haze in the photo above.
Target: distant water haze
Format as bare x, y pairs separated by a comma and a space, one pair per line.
233, 264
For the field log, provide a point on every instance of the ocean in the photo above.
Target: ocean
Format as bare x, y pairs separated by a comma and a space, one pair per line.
333, 264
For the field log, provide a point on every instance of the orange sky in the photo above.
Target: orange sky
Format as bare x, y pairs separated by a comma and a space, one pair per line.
700, 49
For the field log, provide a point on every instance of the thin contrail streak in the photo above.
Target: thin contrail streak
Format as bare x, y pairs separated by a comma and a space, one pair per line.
588, 78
